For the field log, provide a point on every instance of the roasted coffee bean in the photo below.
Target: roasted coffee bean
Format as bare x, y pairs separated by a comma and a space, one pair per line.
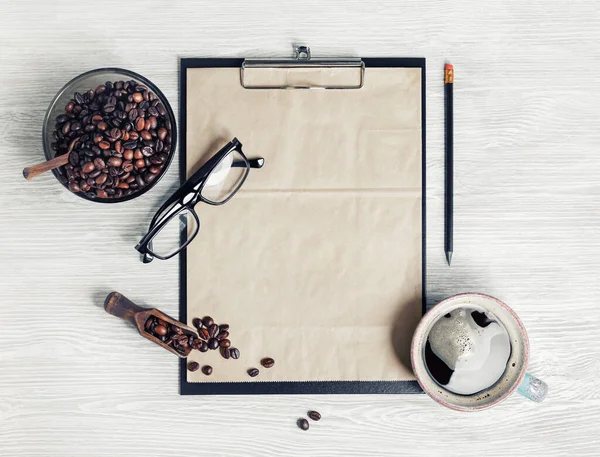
128, 154
303, 424
267, 362
207, 321
161, 109
140, 181
145, 134
99, 163
115, 161
130, 144
101, 193
127, 166
147, 151
137, 97
253, 372
203, 333
224, 343
225, 352
203, 347
104, 145
75, 126
74, 158
235, 353
207, 370
213, 330
223, 335
197, 322
94, 174
160, 329
140, 123
224, 327
139, 164
88, 167
213, 344
314, 415
162, 133
101, 179
69, 107
102, 126
148, 323
193, 366
66, 128
74, 187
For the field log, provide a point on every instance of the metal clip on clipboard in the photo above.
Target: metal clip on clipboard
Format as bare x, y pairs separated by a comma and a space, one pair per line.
302, 59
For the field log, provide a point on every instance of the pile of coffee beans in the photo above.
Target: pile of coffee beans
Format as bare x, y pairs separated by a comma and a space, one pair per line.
214, 336
303, 423
178, 338
118, 137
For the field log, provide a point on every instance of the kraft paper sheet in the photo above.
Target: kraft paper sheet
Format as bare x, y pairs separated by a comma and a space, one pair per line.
317, 261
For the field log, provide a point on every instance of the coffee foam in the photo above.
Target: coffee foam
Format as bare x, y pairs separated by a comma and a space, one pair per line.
477, 353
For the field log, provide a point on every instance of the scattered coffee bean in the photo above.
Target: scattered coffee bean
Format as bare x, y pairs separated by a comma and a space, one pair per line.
207, 370
197, 322
314, 415
267, 362
213, 344
204, 346
207, 321
113, 124
222, 335
213, 330
203, 333
235, 353
225, 352
193, 366
225, 343
253, 372
303, 424
224, 327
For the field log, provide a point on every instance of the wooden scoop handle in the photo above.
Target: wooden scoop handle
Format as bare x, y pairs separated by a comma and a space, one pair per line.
35, 170
120, 306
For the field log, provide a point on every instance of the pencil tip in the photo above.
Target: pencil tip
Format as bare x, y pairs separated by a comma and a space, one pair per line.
449, 257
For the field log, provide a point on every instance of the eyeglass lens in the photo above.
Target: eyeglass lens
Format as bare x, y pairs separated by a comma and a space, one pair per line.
226, 178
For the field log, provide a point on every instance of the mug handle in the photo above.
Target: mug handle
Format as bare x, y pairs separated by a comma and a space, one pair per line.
533, 388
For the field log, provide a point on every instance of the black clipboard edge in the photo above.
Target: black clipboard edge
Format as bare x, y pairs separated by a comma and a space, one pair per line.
304, 387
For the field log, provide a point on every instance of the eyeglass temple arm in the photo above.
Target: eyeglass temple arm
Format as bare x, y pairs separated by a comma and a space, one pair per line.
254, 163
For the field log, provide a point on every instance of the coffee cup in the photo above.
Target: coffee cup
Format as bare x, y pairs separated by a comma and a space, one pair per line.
470, 352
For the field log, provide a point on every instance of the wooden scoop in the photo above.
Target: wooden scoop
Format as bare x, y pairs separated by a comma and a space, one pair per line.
120, 306
35, 170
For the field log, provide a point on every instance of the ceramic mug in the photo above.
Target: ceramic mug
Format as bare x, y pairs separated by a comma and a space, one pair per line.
515, 376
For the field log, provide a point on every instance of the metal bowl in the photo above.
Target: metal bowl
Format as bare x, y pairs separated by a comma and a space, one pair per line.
83, 83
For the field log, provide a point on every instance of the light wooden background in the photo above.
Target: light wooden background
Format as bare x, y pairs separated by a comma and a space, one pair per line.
76, 382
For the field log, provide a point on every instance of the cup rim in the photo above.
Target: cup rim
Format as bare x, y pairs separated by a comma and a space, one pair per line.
45, 130
415, 352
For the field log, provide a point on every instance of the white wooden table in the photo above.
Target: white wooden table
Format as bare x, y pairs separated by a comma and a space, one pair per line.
74, 383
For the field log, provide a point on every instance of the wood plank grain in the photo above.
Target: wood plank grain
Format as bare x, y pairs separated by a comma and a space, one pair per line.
527, 228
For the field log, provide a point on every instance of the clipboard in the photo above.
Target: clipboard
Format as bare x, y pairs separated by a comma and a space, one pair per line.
303, 60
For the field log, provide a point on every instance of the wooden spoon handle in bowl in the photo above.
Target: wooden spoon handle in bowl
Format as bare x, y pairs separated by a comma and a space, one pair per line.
35, 170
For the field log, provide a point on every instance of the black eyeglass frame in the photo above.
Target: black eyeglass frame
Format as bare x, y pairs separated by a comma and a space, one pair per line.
193, 186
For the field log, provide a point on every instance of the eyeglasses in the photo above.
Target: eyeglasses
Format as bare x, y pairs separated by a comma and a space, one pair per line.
176, 224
